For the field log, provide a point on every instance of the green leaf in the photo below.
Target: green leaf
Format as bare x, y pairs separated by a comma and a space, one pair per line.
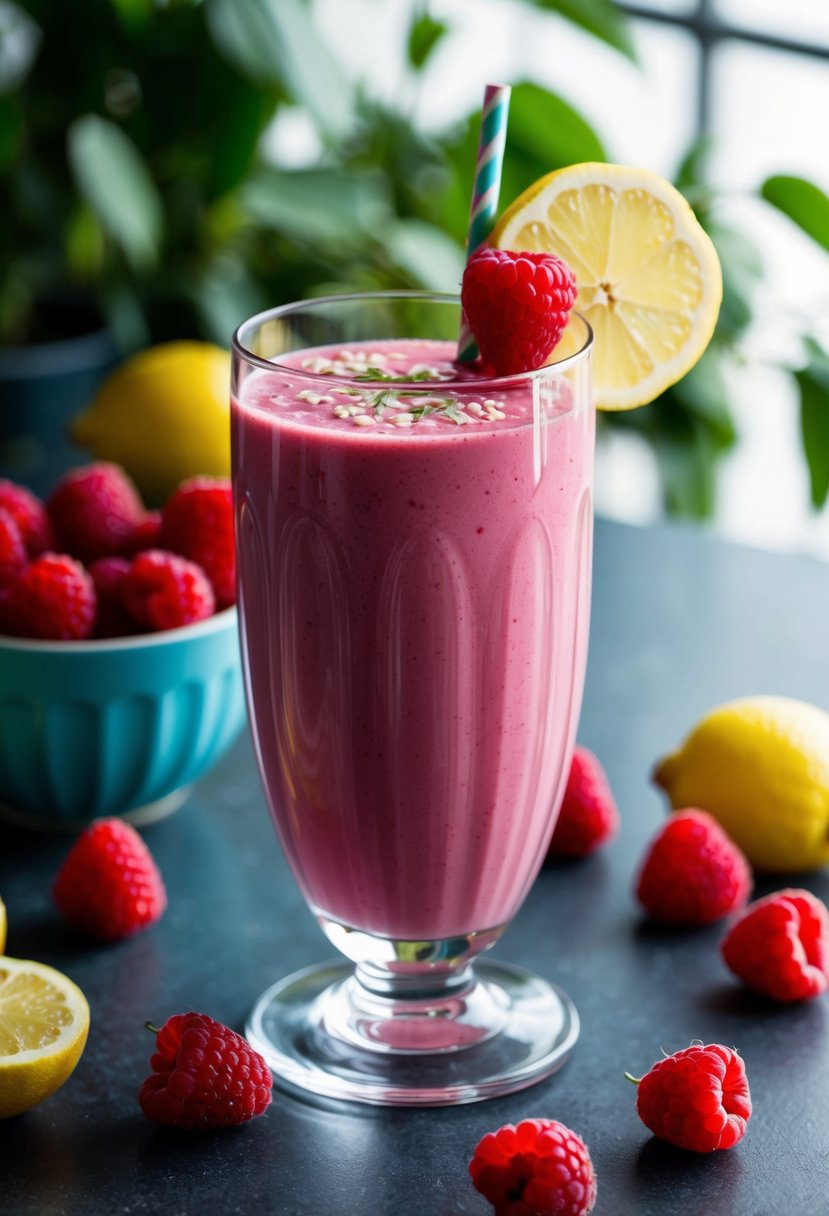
430, 258
693, 168
703, 392
276, 43
114, 180
424, 35
85, 244
803, 202
687, 467
235, 131
11, 131
742, 271
133, 14
318, 206
813, 383
601, 18
224, 295
544, 133
20, 44
546, 128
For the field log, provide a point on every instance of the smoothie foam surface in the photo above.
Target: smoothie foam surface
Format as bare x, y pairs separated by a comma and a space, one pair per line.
388, 387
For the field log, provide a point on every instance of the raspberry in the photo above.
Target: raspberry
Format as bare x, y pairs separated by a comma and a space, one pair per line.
536, 1167
588, 816
13, 555
109, 885
29, 514
779, 946
197, 522
113, 619
95, 511
165, 591
693, 873
146, 533
696, 1099
517, 305
54, 598
204, 1075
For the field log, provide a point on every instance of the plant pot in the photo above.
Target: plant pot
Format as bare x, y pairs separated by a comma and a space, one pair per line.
42, 387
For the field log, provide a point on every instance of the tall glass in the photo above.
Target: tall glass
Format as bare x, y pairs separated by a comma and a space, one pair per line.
414, 548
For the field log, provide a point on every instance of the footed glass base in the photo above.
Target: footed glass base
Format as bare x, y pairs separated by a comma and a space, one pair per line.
495, 1029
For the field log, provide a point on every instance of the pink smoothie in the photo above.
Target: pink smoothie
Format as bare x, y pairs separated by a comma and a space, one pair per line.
414, 605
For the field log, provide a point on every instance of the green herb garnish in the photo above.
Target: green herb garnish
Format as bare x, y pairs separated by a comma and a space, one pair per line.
377, 373
448, 408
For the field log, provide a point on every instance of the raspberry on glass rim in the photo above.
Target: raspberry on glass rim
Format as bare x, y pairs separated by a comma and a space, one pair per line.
517, 305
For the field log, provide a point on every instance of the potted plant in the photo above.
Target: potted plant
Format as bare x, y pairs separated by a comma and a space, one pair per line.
122, 131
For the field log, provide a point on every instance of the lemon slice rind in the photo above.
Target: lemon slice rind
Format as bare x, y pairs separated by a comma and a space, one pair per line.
648, 275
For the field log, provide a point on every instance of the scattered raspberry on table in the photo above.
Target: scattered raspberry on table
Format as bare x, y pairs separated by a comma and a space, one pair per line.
588, 817
697, 1098
779, 946
109, 886
517, 306
692, 872
536, 1167
204, 1075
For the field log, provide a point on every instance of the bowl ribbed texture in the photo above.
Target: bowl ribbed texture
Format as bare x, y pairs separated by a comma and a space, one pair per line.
92, 729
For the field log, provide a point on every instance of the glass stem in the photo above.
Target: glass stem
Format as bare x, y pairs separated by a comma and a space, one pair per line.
424, 983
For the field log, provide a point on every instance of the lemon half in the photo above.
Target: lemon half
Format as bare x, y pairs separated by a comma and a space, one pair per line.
44, 1022
649, 279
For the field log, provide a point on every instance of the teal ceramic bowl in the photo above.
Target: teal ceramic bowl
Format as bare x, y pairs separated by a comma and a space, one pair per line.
121, 726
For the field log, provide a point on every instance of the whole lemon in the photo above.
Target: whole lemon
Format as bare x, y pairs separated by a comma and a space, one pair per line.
164, 415
761, 767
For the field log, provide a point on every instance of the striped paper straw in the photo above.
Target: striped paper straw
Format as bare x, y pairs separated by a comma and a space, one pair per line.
484, 206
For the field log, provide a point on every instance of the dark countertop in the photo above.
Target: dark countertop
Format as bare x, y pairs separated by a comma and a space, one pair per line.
680, 622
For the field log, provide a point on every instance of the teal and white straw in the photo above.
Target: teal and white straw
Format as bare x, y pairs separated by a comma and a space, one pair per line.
487, 186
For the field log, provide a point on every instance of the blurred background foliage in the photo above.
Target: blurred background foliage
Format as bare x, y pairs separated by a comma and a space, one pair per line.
136, 170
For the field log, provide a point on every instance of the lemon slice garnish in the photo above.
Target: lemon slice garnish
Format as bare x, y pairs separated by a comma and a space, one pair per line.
44, 1021
648, 275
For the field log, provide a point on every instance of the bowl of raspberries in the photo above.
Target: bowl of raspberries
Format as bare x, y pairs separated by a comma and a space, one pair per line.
120, 675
